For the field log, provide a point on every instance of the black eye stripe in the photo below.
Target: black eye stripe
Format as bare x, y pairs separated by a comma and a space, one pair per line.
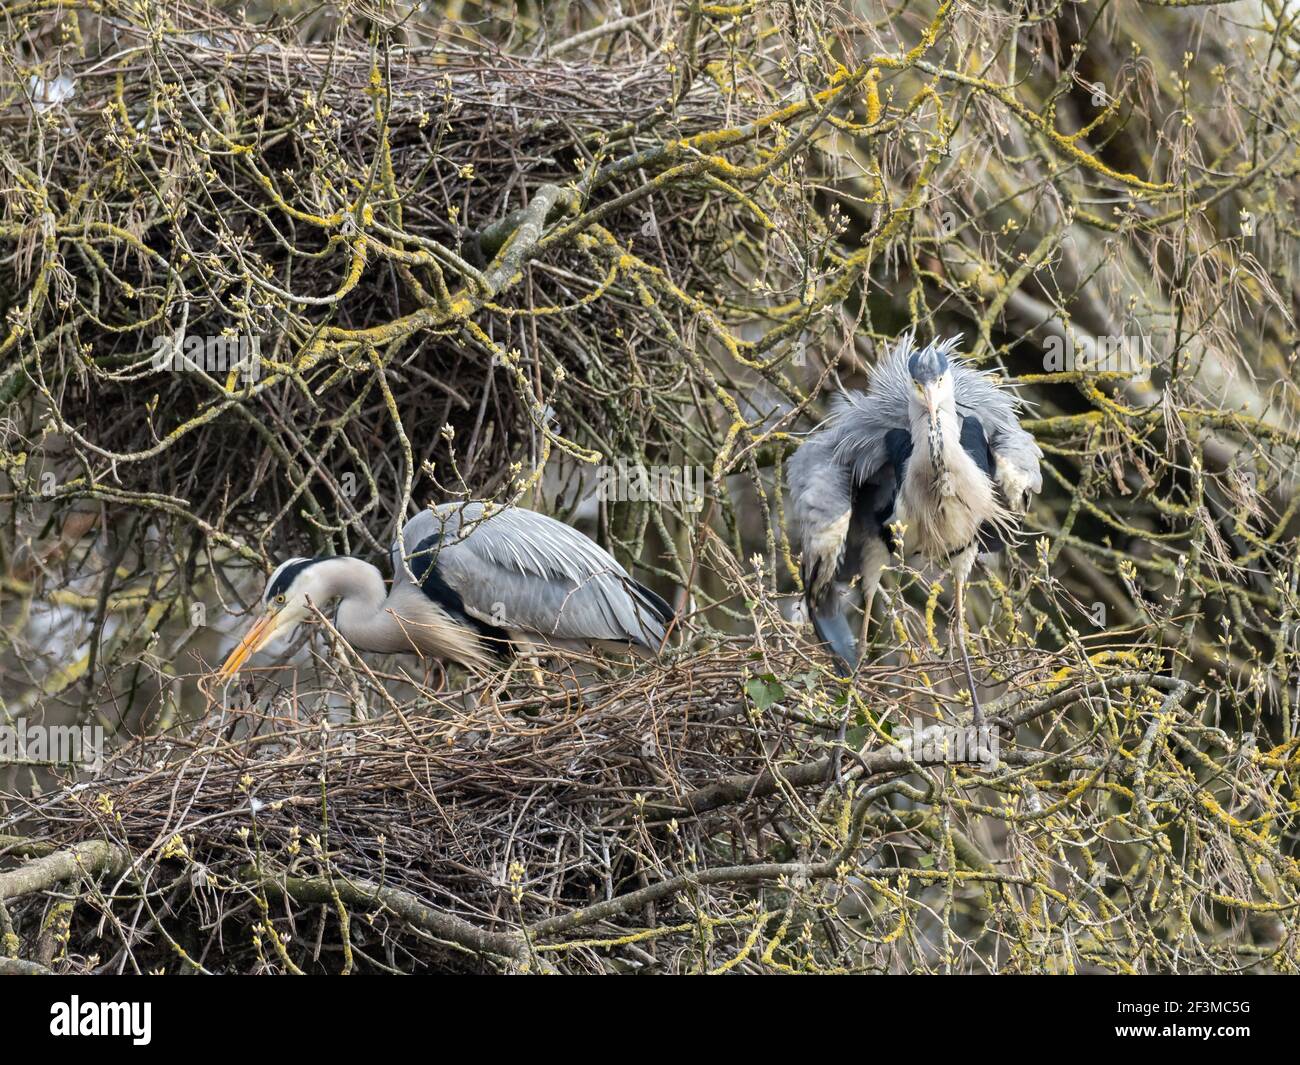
289, 574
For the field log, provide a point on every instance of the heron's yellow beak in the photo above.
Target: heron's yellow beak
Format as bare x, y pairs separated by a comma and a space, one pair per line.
264, 630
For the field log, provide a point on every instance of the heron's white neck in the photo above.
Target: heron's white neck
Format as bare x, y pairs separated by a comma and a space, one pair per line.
403, 621
942, 442
360, 590
945, 497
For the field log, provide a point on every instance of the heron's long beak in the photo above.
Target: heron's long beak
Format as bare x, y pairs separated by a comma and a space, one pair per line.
930, 396
264, 630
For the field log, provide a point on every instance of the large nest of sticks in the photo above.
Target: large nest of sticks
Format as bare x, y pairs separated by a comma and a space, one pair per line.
629, 827
470, 253
347, 208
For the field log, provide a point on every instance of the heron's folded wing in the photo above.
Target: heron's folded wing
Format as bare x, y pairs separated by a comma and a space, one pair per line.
518, 569
1019, 472
1015, 451
821, 507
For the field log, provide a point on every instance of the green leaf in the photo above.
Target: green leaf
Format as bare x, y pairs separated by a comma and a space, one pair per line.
856, 737
764, 691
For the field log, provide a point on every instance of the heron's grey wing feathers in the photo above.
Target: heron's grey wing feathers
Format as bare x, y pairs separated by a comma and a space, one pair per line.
821, 506
851, 453
1018, 455
518, 569
849, 449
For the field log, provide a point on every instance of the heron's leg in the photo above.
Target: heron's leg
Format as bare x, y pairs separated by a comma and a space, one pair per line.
960, 572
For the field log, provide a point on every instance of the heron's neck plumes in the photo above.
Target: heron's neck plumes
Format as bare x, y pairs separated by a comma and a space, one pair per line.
941, 431
411, 621
946, 497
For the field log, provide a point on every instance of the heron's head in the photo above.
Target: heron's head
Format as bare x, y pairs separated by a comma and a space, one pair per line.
931, 381
285, 604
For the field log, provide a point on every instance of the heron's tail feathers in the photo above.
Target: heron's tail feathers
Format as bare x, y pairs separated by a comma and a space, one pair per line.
654, 614
832, 629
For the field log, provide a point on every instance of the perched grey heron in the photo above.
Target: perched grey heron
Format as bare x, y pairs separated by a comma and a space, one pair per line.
933, 452
471, 583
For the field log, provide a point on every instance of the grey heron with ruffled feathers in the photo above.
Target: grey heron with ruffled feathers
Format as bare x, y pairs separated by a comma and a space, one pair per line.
473, 584
930, 460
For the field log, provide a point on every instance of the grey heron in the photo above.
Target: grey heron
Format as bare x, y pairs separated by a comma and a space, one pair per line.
933, 452
470, 584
